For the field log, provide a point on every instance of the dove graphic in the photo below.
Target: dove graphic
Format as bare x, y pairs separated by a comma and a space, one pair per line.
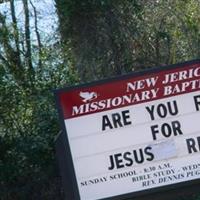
88, 96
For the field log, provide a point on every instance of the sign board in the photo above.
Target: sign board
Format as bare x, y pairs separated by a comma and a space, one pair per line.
133, 134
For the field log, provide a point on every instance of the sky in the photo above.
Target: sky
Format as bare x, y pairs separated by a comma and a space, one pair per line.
47, 19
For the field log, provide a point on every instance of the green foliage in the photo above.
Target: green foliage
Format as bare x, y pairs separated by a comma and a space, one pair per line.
99, 34
28, 119
29, 125
110, 37
98, 39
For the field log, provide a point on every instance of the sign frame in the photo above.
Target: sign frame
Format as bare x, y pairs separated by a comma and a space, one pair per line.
64, 155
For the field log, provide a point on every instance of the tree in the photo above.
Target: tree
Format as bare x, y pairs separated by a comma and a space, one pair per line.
101, 35
29, 70
113, 37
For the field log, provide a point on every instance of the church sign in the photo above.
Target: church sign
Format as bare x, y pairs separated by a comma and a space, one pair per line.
134, 134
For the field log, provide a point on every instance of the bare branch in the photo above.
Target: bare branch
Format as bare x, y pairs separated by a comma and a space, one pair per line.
16, 32
28, 39
37, 35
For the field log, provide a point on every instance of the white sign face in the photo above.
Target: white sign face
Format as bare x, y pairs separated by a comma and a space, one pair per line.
134, 134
